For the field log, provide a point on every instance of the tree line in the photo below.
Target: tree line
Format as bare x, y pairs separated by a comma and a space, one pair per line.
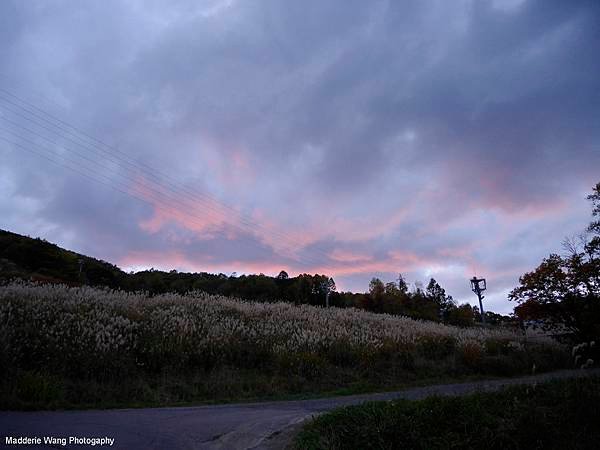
37, 259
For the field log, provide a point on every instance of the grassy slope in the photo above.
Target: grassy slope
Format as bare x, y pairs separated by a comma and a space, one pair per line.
46, 361
556, 415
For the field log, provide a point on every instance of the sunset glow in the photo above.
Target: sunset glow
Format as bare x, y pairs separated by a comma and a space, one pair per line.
424, 138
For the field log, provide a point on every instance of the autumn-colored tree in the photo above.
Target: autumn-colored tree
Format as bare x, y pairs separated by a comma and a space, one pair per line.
565, 290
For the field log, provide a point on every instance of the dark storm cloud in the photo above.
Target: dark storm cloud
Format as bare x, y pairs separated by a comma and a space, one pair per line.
359, 138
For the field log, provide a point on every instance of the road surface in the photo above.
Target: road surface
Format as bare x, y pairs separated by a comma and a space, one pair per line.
268, 425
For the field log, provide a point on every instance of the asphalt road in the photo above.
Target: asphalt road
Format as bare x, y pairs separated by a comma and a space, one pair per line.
235, 426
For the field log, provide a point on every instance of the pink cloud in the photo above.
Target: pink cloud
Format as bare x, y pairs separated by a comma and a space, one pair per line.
208, 218
472, 185
168, 260
229, 162
202, 215
347, 256
394, 261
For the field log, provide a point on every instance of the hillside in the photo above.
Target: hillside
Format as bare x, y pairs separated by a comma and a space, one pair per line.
26, 257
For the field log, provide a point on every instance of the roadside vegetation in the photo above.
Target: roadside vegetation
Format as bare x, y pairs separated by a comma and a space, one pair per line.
67, 347
556, 415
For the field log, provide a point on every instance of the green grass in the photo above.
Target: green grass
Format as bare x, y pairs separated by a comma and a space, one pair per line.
27, 390
556, 415
295, 376
255, 377
35, 389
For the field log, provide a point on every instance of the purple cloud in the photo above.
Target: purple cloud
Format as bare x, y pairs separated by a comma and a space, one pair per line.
358, 139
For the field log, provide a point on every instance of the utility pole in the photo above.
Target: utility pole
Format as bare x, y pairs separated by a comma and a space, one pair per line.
478, 285
80, 261
327, 298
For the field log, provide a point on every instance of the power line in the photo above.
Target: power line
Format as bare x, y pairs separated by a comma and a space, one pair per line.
91, 174
83, 156
126, 159
158, 200
140, 166
157, 197
38, 94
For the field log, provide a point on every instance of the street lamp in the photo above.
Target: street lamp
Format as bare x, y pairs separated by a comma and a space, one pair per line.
478, 285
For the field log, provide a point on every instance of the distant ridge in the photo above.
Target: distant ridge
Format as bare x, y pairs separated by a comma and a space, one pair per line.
39, 260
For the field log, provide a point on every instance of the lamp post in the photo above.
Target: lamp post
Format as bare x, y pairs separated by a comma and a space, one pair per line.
478, 285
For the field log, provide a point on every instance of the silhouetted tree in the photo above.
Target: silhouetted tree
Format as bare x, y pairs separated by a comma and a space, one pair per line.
565, 290
402, 285
283, 275
437, 294
376, 294
461, 316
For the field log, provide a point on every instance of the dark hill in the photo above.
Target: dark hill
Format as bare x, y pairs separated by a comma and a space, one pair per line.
40, 260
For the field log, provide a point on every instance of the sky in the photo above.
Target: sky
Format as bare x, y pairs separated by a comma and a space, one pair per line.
358, 139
